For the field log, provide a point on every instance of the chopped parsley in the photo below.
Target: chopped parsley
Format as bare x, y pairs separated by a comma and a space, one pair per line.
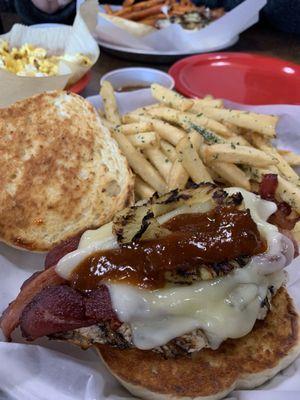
206, 134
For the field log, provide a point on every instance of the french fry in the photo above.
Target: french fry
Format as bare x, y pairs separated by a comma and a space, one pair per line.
264, 124
184, 119
289, 192
122, 11
198, 144
191, 161
178, 176
131, 118
127, 3
138, 6
101, 113
138, 114
140, 165
208, 136
144, 140
283, 166
134, 128
256, 174
110, 103
170, 97
142, 189
218, 103
141, 14
145, 109
196, 140
296, 232
168, 150
108, 9
159, 160
238, 155
290, 157
108, 124
233, 128
165, 113
238, 140
216, 177
208, 123
168, 132
231, 174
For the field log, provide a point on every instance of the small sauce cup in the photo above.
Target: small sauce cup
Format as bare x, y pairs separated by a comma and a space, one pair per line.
137, 78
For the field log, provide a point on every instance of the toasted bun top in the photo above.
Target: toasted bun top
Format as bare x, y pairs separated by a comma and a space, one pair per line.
61, 171
240, 363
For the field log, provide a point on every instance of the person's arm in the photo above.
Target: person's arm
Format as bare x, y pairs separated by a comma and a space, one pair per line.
41, 11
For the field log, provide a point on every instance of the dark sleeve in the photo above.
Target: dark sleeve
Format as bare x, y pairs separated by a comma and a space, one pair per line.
227, 4
7, 6
284, 15
32, 15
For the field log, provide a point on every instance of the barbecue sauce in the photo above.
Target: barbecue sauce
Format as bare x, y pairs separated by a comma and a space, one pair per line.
220, 235
131, 88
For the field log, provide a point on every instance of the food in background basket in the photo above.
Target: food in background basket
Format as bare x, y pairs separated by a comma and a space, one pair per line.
161, 13
29, 60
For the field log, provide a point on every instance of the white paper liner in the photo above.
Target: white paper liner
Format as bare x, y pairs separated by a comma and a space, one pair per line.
175, 38
52, 370
58, 40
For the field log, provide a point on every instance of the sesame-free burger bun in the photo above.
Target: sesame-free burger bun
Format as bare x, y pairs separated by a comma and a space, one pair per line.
243, 363
61, 171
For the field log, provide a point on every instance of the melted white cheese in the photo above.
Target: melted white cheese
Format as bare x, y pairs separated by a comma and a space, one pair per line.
260, 211
223, 308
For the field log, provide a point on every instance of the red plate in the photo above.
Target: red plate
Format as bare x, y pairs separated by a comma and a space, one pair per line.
81, 84
240, 77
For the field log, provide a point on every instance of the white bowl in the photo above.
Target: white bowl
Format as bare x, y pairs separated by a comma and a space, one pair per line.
137, 76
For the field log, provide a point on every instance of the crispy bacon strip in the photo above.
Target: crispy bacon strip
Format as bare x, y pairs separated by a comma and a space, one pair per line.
268, 186
61, 250
47, 305
61, 308
11, 316
54, 309
282, 217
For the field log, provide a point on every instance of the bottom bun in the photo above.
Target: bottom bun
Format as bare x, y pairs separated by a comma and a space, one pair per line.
243, 363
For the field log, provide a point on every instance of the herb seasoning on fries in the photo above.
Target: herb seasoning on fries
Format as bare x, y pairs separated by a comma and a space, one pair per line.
178, 141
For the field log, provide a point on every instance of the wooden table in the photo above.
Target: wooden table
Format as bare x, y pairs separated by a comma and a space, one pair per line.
261, 39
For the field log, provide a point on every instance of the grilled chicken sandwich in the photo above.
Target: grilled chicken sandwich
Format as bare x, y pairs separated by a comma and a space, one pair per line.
183, 296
